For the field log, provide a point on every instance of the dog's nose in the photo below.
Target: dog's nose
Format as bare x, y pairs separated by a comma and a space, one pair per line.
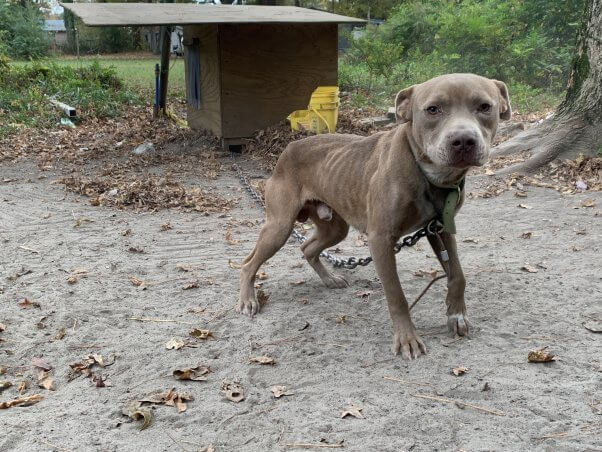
462, 142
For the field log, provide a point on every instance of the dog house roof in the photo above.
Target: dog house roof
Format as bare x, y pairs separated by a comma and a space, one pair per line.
145, 14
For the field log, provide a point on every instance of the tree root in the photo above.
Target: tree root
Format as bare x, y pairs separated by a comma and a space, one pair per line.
555, 138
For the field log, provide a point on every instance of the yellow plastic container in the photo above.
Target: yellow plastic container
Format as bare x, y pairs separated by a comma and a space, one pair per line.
322, 112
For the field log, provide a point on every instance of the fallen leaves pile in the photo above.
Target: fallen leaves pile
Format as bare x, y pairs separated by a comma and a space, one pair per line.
149, 193
266, 145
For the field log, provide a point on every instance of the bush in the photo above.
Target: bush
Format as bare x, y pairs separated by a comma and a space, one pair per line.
94, 90
21, 27
527, 44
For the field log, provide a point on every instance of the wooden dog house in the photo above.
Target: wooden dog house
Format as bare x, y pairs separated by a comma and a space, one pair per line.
247, 67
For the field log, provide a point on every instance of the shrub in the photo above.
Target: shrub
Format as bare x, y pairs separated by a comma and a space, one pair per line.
527, 44
21, 24
94, 90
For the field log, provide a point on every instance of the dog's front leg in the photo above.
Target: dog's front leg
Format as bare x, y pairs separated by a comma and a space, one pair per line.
405, 337
457, 323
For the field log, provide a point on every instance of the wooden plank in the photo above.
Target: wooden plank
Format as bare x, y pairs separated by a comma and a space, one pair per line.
120, 14
268, 71
208, 116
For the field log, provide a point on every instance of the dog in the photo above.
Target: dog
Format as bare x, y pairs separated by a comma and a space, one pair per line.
385, 185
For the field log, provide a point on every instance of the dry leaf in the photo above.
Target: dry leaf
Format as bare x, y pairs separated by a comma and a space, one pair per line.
5, 385
489, 172
360, 240
99, 359
169, 398
262, 360
588, 203
81, 221
40, 363
135, 281
520, 194
166, 226
297, 283
422, 273
280, 391
192, 373
526, 235
261, 276
233, 391
262, 297
457, 371
524, 206
595, 326
540, 356
529, 268
45, 381
470, 240
341, 319
2, 370
22, 386
72, 279
200, 334
143, 413
183, 268
24, 401
175, 343
191, 285
26, 304
60, 334
352, 410
232, 264
230, 240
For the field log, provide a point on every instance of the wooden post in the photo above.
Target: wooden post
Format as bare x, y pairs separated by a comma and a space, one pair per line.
165, 52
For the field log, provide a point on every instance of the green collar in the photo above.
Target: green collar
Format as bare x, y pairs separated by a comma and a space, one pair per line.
451, 203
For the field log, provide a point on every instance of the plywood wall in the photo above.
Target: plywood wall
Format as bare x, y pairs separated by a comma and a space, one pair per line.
263, 73
268, 71
208, 116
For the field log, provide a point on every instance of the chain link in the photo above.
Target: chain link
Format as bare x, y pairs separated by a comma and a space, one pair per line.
433, 227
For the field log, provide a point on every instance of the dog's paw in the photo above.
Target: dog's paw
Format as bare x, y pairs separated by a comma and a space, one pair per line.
249, 306
457, 324
335, 282
409, 343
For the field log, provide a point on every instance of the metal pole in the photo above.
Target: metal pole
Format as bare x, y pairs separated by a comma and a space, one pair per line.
165, 51
156, 105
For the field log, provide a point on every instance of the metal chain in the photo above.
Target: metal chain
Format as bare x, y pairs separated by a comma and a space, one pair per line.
433, 227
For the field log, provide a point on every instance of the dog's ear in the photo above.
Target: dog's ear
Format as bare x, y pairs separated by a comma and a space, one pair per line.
403, 105
505, 110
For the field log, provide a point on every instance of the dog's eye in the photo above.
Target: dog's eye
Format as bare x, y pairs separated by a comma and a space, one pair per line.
485, 108
433, 110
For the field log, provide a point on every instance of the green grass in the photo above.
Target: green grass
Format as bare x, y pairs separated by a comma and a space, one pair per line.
137, 73
96, 86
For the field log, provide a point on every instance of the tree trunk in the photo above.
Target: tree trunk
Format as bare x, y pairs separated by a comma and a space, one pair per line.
576, 126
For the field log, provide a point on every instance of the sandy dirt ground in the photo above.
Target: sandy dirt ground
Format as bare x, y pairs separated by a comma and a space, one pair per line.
88, 272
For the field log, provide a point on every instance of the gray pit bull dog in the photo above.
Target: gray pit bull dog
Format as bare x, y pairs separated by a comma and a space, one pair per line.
385, 185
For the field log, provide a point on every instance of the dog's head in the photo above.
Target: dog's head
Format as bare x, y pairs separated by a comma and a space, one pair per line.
454, 118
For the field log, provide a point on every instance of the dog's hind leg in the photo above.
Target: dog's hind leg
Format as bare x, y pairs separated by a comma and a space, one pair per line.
282, 209
328, 233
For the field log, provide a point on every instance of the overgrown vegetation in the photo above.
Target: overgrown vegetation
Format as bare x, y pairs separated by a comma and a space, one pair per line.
527, 44
21, 34
94, 90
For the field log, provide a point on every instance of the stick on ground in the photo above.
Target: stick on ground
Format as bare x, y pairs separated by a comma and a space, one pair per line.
460, 403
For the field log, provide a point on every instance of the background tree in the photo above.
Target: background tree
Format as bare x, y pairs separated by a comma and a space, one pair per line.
21, 29
576, 127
